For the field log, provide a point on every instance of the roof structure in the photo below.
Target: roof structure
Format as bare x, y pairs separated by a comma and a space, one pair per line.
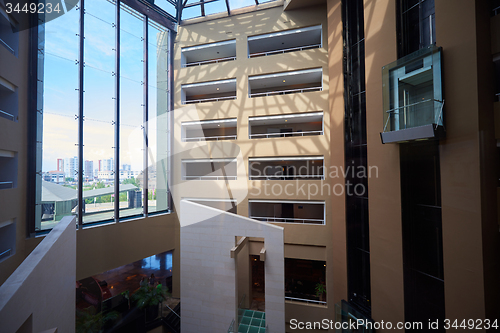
52, 192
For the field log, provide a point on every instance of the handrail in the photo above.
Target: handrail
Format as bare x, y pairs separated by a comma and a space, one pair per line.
6, 114
284, 176
298, 48
210, 178
213, 61
214, 99
4, 43
2, 185
407, 106
204, 138
231, 327
267, 135
175, 313
496, 11
5, 253
284, 92
305, 300
284, 219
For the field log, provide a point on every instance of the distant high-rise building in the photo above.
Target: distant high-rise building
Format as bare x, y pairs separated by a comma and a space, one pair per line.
106, 165
88, 169
71, 167
60, 164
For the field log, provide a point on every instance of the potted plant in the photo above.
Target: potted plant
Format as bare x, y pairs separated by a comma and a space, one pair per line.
89, 321
320, 291
148, 297
126, 295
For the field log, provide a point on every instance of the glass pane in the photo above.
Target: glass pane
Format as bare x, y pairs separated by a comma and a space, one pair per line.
131, 111
60, 124
157, 118
99, 106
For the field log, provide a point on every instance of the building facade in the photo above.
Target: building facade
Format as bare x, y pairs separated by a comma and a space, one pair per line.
367, 130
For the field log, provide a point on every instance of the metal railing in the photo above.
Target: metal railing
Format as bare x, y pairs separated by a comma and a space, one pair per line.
287, 219
214, 99
213, 61
7, 115
286, 177
298, 48
497, 97
175, 313
231, 327
304, 300
6, 185
495, 11
210, 138
209, 177
395, 111
284, 135
285, 92
5, 254
4, 43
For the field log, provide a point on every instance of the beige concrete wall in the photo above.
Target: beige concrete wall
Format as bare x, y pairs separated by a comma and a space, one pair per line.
336, 255
470, 230
209, 281
239, 27
13, 138
386, 252
42, 289
103, 248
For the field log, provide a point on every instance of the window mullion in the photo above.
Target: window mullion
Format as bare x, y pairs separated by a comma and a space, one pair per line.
117, 113
81, 65
145, 175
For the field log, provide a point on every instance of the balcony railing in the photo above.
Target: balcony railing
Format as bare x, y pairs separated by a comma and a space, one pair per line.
285, 92
213, 61
211, 138
305, 300
286, 134
7, 46
7, 115
213, 99
6, 185
209, 177
292, 49
412, 97
287, 220
286, 177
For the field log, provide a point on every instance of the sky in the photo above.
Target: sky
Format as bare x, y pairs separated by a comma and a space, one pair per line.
60, 128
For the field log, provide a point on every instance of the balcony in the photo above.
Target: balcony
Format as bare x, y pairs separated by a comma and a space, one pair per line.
208, 53
285, 41
209, 130
413, 99
289, 125
301, 212
8, 169
9, 36
286, 83
8, 100
209, 169
212, 91
286, 168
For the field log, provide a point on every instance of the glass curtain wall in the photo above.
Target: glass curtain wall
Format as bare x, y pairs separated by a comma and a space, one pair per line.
120, 120
358, 246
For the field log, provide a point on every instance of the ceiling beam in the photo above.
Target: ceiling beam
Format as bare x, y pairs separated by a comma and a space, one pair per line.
198, 3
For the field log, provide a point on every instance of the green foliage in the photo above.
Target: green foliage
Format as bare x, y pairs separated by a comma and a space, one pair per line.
320, 289
133, 181
89, 321
69, 179
148, 295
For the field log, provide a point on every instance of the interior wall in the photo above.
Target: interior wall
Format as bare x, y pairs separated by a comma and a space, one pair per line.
336, 255
470, 231
43, 286
209, 283
102, 248
386, 254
